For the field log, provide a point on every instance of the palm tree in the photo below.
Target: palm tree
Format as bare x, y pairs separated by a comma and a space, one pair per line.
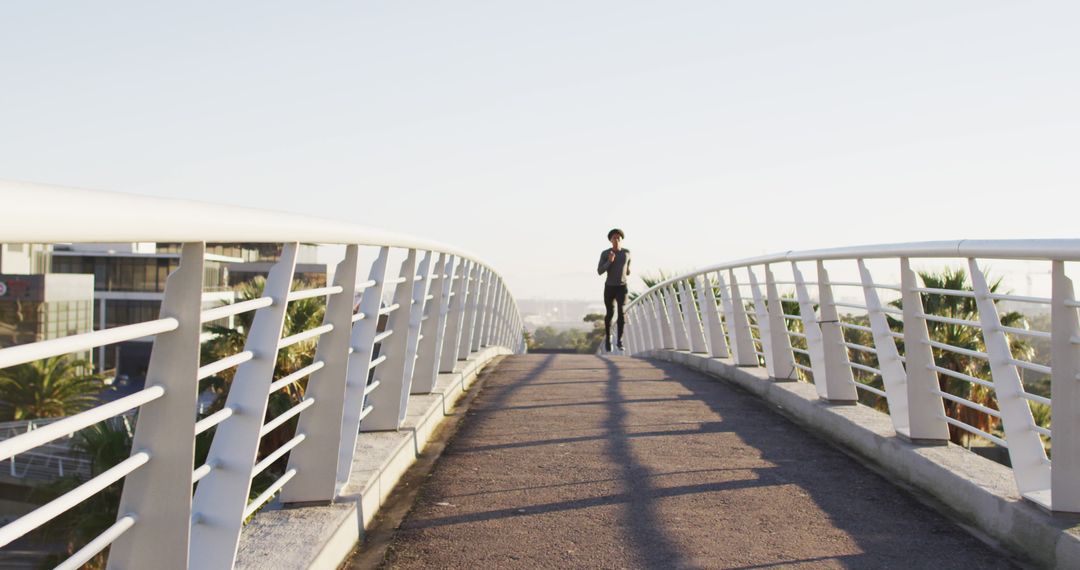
51, 388
106, 444
965, 337
301, 315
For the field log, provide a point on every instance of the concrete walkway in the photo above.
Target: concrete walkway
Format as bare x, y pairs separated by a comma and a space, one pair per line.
568, 461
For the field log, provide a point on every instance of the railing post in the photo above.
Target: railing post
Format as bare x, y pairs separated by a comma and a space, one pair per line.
434, 328
742, 340
455, 317
692, 317
159, 493
1065, 356
646, 321
660, 324
222, 496
315, 460
386, 401
784, 358
678, 326
839, 382
469, 324
482, 312
925, 409
1026, 453
495, 306
358, 370
892, 369
416, 321
714, 329
812, 331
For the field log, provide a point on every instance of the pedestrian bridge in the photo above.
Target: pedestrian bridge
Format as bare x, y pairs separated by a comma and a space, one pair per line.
791, 409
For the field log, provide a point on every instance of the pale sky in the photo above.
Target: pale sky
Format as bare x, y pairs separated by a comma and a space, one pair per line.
523, 131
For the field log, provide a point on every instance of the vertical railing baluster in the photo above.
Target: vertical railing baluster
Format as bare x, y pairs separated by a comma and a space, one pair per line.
1026, 453
812, 331
481, 308
692, 317
742, 340
158, 494
678, 326
892, 370
416, 321
661, 327
222, 496
435, 327
386, 401
714, 329
839, 382
315, 459
455, 318
782, 355
926, 411
364, 332
1065, 356
472, 307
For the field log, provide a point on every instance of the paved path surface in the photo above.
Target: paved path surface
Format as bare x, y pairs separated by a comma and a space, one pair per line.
568, 461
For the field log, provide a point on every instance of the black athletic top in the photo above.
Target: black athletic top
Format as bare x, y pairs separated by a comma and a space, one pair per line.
616, 270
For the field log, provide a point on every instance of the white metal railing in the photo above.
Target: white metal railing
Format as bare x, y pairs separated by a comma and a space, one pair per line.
881, 345
447, 305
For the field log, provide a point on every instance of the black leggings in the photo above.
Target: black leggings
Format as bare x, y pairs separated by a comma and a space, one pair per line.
614, 295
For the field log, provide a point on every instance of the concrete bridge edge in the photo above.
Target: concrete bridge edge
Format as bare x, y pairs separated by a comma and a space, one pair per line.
323, 537
974, 490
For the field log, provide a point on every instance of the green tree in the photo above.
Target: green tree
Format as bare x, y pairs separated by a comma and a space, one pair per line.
51, 388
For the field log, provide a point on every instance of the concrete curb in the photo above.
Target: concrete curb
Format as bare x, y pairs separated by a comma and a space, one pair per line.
977, 491
324, 536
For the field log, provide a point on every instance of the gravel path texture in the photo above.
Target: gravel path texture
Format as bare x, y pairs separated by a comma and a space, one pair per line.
575, 461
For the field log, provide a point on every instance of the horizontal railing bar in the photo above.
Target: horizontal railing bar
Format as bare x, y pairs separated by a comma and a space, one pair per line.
288, 415
389, 309
961, 376
226, 311
366, 284
860, 347
72, 424
371, 387
800, 351
101, 542
23, 353
798, 334
268, 493
1025, 332
316, 292
306, 335
865, 368
948, 292
1042, 431
804, 368
201, 472
224, 364
974, 430
851, 305
377, 361
318, 364
793, 317
1031, 366
875, 285
967, 403
957, 349
1037, 398
949, 320
396, 280
871, 389
358, 317
63, 503
270, 459
213, 420
367, 410
383, 335
868, 329
1020, 298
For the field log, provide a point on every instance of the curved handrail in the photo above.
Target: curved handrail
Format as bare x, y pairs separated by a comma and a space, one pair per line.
77, 215
1033, 249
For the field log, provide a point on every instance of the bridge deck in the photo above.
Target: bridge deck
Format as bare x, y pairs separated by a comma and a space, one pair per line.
588, 462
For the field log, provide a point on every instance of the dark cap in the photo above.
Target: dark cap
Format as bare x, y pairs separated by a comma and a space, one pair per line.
614, 232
